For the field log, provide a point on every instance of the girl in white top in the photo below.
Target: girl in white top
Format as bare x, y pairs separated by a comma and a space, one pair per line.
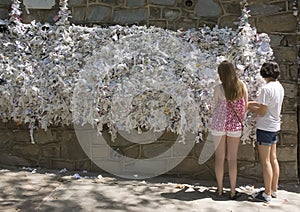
268, 108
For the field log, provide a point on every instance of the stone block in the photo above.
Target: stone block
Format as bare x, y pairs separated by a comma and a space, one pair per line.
289, 105
183, 149
45, 16
6, 139
110, 166
135, 3
188, 165
205, 172
99, 151
42, 136
120, 141
4, 13
287, 153
163, 2
22, 136
92, 1
30, 151
232, 8
250, 170
284, 71
155, 13
157, 149
143, 138
172, 25
78, 14
288, 72
289, 40
3, 125
275, 40
60, 164
71, 150
72, 3
94, 138
203, 176
169, 136
289, 123
107, 136
11, 125
207, 8
246, 153
228, 21
186, 23
283, 53
82, 139
98, 14
44, 163
50, 151
6, 2
133, 151
161, 24
83, 165
131, 16
151, 167
258, 9
95, 167
277, 23
294, 72
15, 160
288, 171
197, 149
288, 138
171, 14
290, 89
116, 153
112, 2
206, 151
88, 137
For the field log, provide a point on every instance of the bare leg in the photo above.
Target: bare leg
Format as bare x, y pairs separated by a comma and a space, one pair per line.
219, 161
275, 168
232, 153
264, 155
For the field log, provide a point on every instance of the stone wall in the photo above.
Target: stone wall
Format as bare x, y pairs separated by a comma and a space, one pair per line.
58, 147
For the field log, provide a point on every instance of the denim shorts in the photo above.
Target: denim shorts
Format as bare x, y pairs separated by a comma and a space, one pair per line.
266, 138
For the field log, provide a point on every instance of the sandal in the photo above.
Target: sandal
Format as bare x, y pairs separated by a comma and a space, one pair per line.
235, 196
219, 193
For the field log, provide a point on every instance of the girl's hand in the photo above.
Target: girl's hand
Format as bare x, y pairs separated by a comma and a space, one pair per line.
257, 108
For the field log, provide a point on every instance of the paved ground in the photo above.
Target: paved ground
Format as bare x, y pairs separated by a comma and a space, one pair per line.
27, 189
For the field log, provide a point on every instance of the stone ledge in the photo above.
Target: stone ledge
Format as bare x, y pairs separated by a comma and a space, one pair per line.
285, 22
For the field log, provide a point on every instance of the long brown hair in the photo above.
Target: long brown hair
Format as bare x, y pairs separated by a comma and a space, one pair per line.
232, 85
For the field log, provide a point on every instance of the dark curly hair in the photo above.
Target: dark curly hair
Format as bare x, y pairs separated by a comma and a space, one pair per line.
270, 70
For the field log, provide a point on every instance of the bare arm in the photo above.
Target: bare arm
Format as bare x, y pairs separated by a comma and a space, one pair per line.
257, 108
215, 95
246, 99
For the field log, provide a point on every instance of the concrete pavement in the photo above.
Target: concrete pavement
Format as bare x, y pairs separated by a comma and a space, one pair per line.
28, 189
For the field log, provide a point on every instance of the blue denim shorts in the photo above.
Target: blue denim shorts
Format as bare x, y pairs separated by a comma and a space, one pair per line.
266, 138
